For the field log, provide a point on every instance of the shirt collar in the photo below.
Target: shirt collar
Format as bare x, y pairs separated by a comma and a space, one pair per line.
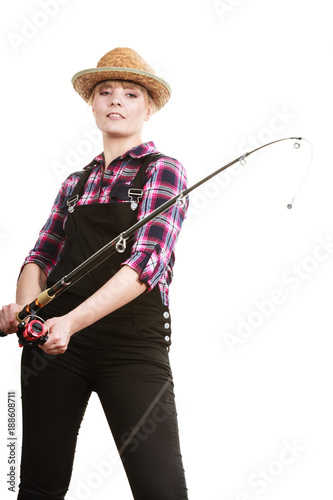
137, 152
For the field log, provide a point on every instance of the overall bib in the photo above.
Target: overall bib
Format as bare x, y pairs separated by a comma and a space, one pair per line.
123, 358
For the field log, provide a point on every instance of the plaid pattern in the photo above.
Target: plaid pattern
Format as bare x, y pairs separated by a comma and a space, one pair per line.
153, 248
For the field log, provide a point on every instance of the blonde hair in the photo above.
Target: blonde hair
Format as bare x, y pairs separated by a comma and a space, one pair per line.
125, 85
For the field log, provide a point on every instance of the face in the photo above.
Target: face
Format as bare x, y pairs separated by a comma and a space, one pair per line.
119, 112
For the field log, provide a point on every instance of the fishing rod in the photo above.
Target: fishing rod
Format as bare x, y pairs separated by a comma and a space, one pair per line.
32, 330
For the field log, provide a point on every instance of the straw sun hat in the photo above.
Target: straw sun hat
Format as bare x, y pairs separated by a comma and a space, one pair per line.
122, 63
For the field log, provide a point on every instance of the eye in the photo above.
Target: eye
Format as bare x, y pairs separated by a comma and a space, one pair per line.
130, 94
104, 92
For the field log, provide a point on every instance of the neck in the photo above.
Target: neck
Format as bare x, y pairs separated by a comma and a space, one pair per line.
117, 147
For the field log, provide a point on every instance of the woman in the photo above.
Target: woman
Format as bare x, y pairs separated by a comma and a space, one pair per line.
110, 332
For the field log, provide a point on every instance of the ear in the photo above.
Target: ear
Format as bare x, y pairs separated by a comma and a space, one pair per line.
150, 112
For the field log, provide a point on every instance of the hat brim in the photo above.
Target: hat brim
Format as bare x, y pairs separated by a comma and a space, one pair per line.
84, 82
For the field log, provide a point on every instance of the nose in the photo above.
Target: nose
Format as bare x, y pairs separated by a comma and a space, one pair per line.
115, 98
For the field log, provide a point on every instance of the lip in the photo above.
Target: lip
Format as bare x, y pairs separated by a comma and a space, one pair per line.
115, 116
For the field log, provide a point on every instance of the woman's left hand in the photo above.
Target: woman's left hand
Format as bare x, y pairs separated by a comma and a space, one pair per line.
59, 335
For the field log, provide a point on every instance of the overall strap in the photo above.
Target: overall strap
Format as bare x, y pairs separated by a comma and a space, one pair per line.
135, 192
147, 160
78, 190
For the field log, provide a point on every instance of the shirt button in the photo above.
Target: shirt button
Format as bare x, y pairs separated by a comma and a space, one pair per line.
166, 315
167, 338
166, 325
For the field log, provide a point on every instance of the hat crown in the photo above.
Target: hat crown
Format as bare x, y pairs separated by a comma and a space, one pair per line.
123, 57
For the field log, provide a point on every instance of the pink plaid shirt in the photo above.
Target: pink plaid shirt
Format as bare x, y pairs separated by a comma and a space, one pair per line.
153, 248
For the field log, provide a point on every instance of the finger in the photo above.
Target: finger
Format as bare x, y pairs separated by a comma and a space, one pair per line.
8, 329
53, 349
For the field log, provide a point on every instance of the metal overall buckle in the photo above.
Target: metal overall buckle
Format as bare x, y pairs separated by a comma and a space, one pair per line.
135, 195
71, 202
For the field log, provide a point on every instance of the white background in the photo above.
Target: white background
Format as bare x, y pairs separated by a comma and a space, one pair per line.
243, 73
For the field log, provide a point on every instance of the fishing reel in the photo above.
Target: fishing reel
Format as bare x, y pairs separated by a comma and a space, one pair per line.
32, 331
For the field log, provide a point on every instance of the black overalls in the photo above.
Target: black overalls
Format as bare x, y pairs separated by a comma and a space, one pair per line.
123, 358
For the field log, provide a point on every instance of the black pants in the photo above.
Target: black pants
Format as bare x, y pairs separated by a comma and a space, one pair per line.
128, 367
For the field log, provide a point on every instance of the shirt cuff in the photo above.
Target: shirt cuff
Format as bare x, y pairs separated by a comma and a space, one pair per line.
149, 266
35, 258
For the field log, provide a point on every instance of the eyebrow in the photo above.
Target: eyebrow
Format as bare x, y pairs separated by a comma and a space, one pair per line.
132, 88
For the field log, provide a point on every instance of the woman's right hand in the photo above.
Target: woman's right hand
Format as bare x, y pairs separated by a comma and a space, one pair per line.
8, 321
